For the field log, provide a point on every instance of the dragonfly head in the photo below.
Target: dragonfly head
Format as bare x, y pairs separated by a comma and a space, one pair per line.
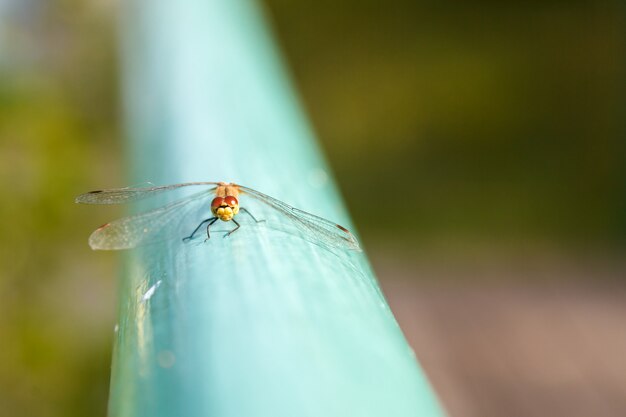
225, 208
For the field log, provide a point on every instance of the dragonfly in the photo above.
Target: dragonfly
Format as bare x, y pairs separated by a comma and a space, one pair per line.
143, 228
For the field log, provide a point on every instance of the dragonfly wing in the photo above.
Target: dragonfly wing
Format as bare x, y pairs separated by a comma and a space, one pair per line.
316, 227
148, 227
127, 195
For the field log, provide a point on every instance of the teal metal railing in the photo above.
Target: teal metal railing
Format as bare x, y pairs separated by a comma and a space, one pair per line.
264, 323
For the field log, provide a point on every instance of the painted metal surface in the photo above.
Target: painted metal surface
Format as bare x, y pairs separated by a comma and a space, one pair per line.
263, 323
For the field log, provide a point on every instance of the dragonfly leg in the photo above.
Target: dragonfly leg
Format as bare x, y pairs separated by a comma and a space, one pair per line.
250, 214
208, 235
188, 238
238, 226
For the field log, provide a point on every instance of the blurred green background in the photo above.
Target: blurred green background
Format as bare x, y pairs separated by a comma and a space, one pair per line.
482, 133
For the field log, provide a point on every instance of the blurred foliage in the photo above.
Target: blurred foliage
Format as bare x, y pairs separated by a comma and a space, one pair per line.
488, 120
442, 120
58, 136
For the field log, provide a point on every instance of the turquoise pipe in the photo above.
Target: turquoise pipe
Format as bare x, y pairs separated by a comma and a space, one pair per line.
263, 323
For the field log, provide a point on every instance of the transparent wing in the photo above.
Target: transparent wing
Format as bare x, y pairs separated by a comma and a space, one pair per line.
315, 227
127, 195
151, 226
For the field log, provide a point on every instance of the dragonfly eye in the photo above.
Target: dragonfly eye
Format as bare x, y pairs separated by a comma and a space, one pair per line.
216, 203
231, 201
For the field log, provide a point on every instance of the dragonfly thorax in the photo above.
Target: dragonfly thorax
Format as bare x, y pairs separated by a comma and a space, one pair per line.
225, 208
